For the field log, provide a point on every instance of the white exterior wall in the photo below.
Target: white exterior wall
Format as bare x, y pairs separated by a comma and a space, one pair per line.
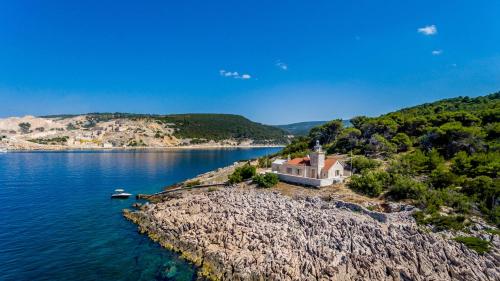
308, 181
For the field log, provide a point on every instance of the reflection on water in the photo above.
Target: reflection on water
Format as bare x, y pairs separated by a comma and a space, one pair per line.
57, 221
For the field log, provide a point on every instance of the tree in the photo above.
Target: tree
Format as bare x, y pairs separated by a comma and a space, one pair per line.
370, 183
402, 141
242, 173
361, 163
266, 181
378, 145
326, 133
452, 137
25, 127
406, 188
348, 139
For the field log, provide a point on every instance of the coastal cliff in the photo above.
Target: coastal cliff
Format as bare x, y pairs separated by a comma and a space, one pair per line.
244, 233
122, 130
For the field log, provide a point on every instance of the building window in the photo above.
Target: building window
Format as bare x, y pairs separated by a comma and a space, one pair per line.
337, 173
289, 171
313, 173
298, 171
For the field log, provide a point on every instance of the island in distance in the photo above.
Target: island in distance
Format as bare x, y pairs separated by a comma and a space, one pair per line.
123, 130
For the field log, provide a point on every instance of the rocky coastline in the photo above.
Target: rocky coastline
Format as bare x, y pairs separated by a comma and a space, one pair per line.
245, 233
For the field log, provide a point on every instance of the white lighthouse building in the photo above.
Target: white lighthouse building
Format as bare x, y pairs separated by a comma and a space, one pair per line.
315, 169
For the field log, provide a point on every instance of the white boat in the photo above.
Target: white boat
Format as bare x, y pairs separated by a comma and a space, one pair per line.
120, 194
3, 150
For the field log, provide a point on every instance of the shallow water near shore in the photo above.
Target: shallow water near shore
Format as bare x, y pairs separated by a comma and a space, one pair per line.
57, 221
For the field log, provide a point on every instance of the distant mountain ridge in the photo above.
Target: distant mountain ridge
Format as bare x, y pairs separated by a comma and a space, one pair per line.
303, 128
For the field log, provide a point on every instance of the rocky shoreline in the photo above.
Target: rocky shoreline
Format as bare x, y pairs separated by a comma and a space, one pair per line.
244, 233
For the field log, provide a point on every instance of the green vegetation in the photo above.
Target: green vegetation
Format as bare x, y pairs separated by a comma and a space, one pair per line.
265, 162
70, 127
136, 143
192, 183
222, 126
477, 244
371, 183
444, 157
242, 173
51, 141
362, 163
266, 181
24, 127
441, 222
303, 128
199, 127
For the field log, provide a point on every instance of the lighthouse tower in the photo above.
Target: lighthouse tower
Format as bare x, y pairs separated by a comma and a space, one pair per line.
317, 158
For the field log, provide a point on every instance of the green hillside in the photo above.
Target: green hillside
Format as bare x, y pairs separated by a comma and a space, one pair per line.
303, 128
200, 126
443, 157
223, 126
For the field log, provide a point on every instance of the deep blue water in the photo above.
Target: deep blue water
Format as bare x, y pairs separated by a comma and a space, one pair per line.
57, 221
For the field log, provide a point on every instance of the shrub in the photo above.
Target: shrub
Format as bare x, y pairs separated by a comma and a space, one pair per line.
268, 180
25, 127
361, 163
235, 178
242, 173
406, 188
410, 164
192, 183
441, 177
440, 222
370, 183
402, 141
477, 244
265, 162
378, 145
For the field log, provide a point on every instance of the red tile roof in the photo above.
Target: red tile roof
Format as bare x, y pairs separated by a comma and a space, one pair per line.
300, 161
329, 162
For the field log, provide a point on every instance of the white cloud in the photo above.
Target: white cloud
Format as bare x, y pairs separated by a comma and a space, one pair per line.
437, 52
234, 74
428, 30
282, 65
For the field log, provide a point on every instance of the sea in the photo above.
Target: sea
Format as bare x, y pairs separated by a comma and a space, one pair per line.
57, 221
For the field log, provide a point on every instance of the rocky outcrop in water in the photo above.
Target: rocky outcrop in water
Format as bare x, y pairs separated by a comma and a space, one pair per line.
248, 234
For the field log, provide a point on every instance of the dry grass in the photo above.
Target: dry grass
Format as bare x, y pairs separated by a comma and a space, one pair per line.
337, 191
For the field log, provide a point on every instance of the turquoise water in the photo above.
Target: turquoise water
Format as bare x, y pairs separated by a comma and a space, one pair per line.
57, 221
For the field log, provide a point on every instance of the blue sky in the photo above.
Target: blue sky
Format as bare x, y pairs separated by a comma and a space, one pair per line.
271, 61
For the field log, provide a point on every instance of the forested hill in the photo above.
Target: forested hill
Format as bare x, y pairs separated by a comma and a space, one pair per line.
222, 126
200, 125
95, 130
303, 128
442, 156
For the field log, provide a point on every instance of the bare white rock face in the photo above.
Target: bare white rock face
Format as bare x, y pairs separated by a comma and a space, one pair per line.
244, 234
